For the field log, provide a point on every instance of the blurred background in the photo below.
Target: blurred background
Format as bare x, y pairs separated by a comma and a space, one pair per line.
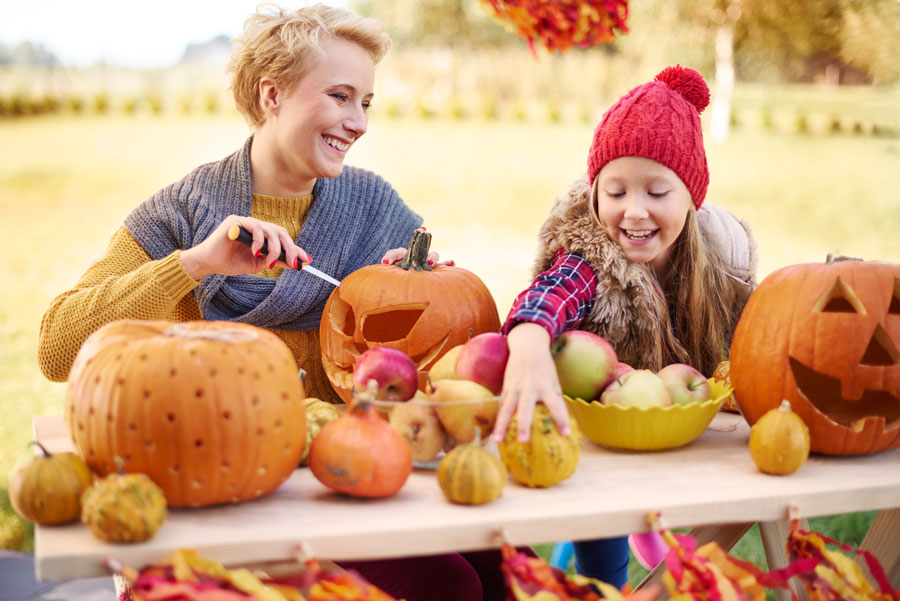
102, 103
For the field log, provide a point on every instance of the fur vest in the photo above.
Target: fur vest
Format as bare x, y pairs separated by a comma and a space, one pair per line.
629, 309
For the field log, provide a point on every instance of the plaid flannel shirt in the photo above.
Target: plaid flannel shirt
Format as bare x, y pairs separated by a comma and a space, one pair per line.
559, 298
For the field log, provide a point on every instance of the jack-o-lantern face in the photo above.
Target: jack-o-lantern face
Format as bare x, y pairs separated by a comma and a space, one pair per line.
826, 337
423, 312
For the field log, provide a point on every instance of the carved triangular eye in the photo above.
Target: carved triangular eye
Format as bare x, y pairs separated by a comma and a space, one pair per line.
881, 351
392, 323
839, 298
894, 308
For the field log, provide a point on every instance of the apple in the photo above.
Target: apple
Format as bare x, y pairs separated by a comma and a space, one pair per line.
419, 425
585, 363
483, 360
445, 367
463, 405
685, 384
621, 369
637, 388
394, 372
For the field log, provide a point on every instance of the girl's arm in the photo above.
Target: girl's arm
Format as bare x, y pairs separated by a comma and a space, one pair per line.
557, 300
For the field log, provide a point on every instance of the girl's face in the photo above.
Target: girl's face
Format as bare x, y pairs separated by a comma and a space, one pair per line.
315, 124
643, 205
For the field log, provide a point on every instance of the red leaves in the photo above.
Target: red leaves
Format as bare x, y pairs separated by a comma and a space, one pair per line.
562, 24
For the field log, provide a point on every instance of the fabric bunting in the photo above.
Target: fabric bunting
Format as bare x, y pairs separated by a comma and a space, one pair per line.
835, 576
533, 579
189, 577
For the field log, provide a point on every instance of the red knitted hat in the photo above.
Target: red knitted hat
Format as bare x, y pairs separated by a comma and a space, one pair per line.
659, 120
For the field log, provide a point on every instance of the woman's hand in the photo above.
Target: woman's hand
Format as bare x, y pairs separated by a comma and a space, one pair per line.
395, 255
222, 255
530, 377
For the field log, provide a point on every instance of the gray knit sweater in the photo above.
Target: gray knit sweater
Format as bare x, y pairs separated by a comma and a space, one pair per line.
354, 219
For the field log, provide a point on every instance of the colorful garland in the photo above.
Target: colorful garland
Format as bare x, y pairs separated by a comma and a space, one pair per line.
562, 24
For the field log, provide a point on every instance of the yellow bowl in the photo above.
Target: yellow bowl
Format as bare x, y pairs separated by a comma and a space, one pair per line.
650, 429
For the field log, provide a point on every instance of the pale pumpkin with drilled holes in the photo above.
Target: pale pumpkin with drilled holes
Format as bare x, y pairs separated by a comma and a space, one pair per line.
47, 488
826, 337
779, 441
211, 411
421, 310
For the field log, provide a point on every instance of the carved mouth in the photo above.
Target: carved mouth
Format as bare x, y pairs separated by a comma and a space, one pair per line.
824, 393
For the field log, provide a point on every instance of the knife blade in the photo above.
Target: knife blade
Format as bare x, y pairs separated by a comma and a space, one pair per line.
243, 235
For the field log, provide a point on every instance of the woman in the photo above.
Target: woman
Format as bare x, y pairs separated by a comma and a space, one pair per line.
304, 81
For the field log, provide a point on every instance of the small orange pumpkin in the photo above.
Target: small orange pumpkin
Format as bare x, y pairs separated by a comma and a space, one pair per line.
360, 454
412, 307
779, 441
47, 489
211, 411
826, 337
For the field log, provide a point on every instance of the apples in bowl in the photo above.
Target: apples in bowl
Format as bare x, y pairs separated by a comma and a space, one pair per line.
646, 411
456, 402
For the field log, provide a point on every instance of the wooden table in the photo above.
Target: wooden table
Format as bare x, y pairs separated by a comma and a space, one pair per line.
711, 483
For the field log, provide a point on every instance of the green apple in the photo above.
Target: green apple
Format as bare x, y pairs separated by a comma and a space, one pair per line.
419, 425
585, 363
445, 367
637, 388
685, 384
463, 405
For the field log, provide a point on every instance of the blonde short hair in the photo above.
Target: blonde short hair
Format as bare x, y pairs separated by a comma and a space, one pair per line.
282, 44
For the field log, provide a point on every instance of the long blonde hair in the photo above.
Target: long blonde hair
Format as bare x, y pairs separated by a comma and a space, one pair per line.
703, 300
283, 44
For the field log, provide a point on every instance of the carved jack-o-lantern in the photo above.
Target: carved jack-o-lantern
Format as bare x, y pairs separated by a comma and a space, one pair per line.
412, 307
826, 337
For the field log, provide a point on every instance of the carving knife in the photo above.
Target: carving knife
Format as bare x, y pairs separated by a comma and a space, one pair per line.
242, 235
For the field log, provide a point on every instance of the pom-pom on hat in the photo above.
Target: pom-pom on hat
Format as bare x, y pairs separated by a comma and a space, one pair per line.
659, 120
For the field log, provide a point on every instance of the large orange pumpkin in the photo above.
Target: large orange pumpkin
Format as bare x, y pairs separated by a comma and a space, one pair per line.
211, 411
825, 336
412, 307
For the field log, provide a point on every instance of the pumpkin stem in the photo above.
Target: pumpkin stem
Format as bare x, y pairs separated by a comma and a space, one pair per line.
832, 258
120, 465
785, 406
42, 448
417, 252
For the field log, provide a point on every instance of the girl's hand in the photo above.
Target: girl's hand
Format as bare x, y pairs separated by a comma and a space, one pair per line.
530, 377
395, 255
219, 254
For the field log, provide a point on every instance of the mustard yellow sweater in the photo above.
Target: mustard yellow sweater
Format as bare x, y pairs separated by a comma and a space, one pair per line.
126, 284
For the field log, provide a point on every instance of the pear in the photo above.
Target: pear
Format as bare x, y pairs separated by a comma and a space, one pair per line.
463, 405
445, 367
419, 425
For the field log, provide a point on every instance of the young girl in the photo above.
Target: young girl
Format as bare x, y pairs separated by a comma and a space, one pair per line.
633, 254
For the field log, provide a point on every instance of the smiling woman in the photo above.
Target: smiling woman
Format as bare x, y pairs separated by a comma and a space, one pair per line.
303, 79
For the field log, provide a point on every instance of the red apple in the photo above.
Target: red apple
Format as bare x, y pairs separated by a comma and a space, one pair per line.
395, 373
685, 384
637, 388
585, 363
622, 368
483, 360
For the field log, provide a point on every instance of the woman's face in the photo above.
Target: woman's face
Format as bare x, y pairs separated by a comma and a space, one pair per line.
643, 205
314, 124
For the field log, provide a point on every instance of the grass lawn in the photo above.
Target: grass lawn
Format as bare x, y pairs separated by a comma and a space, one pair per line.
484, 188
